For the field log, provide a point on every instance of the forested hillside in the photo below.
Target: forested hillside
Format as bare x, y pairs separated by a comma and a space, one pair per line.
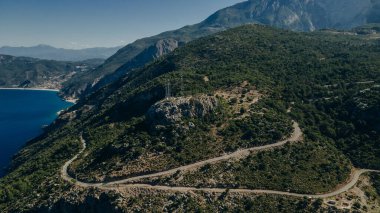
238, 89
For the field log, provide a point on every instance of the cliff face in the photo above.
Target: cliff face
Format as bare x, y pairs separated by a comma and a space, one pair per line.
160, 48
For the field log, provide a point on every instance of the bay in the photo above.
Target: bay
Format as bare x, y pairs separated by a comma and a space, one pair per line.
23, 113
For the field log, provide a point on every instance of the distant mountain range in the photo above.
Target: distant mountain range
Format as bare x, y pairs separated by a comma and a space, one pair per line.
297, 15
59, 54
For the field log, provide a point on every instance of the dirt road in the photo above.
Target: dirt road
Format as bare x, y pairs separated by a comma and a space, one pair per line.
125, 183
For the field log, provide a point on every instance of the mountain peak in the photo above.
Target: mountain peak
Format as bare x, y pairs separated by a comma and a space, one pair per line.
300, 15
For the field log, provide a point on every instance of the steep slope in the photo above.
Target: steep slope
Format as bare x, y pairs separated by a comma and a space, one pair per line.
299, 15
162, 47
235, 90
131, 56
59, 54
31, 72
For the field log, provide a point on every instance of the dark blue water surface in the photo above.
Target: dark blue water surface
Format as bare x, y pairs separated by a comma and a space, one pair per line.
23, 113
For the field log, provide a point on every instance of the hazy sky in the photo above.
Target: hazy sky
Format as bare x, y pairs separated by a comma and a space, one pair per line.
90, 23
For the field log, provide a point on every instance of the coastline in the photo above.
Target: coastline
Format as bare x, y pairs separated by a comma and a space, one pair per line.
36, 89
70, 100
16, 134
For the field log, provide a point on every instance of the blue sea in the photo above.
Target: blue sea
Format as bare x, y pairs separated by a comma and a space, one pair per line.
23, 113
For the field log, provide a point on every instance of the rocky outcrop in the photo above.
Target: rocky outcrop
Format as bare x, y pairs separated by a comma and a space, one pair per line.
162, 47
176, 110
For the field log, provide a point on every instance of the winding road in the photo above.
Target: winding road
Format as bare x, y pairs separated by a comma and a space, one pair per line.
354, 179
125, 183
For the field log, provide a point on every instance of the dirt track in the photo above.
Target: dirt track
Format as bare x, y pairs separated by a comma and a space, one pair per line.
125, 183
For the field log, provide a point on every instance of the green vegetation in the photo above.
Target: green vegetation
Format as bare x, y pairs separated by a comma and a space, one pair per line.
349, 115
307, 168
135, 149
322, 77
257, 129
375, 178
367, 29
225, 202
37, 175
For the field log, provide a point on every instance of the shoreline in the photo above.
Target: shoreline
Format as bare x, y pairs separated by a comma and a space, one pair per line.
70, 100
34, 89
38, 128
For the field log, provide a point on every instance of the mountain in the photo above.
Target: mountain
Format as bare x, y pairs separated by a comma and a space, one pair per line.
162, 47
59, 54
31, 72
298, 15
287, 111
373, 16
